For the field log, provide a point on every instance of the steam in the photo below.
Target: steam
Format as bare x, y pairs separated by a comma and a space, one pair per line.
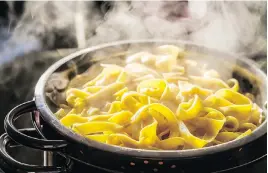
227, 26
44, 23
233, 26
234, 29
80, 27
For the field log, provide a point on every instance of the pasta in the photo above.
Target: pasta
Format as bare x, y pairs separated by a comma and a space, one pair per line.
153, 102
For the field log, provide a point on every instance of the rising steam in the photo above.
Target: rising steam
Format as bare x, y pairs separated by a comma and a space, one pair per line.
234, 26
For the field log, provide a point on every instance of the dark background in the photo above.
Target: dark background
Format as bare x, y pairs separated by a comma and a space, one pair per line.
18, 77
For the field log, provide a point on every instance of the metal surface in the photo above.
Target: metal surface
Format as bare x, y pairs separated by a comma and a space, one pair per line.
48, 158
6, 140
26, 140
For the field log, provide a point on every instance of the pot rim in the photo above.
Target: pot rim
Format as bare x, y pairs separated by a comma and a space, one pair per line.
49, 117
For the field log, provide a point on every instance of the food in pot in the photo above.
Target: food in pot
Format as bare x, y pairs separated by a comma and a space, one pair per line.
159, 100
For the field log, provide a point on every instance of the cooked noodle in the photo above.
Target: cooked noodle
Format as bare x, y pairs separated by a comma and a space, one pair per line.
152, 103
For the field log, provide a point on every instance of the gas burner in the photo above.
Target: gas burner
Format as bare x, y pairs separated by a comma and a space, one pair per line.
37, 157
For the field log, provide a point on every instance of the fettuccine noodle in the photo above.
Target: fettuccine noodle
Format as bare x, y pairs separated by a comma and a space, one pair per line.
152, 103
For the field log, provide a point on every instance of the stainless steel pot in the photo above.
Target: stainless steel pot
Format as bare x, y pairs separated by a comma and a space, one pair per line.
58, 138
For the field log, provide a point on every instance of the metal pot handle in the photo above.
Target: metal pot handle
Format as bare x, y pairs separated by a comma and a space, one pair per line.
29, 141
6, 141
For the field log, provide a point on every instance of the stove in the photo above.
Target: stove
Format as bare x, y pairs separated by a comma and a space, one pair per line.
37, 157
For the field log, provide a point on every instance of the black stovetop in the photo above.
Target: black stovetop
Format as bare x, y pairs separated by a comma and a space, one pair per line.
32, 156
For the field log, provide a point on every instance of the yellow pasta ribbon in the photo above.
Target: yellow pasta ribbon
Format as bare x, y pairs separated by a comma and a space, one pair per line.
119, 139
230, 136
256, 115
120, 93
148, 135
164, 111
70, 99
208, 83
234, 83
121, 118
93, 89
122, 77
216, 102
60, 113
189, 138
187, 91
133, 101
153, 88
100, 117
105, 93
93, 111
231, 124
246, 133
226, 137
95, 127
77, 93
230, 103
247, 126
98, 137
71, 119
233, 97
115, 107
110, 73
169, 59
189, 110
173, 143
213, 122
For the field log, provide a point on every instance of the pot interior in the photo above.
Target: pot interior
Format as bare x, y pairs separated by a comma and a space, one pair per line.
247, 73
